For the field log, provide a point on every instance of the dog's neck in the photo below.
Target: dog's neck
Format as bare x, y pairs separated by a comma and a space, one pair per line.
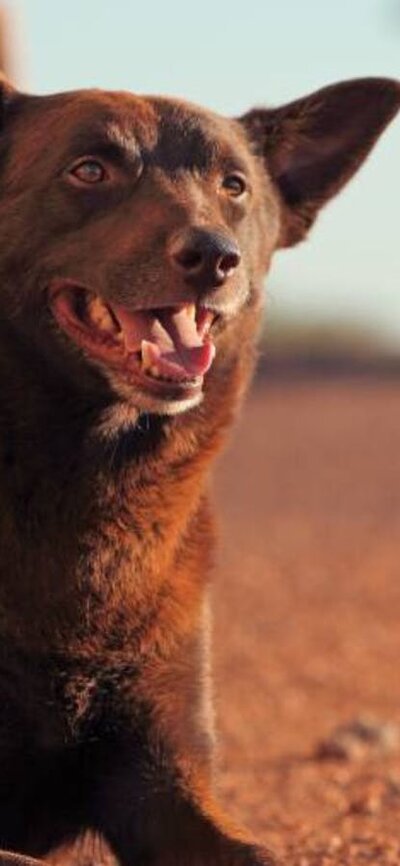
93, 528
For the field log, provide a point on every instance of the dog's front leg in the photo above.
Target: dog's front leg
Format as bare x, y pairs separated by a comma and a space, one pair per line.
152, 785
176, 832
155, 808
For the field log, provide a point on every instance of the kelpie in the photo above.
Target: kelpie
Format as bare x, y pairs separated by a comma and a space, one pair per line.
135, 236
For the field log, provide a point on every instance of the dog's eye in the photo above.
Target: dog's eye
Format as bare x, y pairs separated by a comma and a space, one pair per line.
235, 184
89, 171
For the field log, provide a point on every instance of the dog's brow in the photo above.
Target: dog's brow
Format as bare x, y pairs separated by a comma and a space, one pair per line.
123, 138
233, 162
109, 140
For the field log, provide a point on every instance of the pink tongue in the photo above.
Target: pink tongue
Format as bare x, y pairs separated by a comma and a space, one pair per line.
193, 352
178, 347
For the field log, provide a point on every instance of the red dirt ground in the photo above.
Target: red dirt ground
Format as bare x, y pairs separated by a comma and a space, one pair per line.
306, 618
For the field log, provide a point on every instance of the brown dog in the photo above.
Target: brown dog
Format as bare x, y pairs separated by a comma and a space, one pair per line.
135, 235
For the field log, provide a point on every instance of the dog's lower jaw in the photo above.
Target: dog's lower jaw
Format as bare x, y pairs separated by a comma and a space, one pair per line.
122, 416
130, 405
147, 404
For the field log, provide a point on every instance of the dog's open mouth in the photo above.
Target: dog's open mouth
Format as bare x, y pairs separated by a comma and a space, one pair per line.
166, 351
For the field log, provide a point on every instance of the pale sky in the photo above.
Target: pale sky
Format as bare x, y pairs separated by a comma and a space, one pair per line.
230, 56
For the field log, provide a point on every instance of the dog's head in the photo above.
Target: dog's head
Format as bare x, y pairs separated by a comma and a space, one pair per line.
135, 232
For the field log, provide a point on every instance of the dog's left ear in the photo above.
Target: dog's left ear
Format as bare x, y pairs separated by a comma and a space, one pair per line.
313, 146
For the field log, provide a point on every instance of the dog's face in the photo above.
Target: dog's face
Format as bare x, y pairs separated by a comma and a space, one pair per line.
151, 224
136, 231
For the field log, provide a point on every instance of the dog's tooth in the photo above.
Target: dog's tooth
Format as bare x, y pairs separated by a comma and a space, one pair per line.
147, 358
154, 371
99, 314
191, 310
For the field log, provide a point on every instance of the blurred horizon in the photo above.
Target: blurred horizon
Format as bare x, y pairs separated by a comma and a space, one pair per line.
349, 269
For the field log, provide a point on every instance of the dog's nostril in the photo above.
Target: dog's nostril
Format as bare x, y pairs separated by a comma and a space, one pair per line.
189, 259
228, 263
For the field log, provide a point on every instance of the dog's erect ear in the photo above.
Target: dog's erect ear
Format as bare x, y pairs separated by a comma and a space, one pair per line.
313, 146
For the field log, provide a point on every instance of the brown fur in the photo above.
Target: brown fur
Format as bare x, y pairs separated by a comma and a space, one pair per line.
105, 528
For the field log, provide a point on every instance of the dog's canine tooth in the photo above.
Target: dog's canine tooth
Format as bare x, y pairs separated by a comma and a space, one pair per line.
191, 310
146, 356
154, 371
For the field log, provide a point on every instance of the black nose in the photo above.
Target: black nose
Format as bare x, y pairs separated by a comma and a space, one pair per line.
205, 257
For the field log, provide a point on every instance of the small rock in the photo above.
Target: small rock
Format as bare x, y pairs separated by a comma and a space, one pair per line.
360, 739
369, 804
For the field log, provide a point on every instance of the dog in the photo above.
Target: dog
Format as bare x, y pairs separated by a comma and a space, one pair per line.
135, 237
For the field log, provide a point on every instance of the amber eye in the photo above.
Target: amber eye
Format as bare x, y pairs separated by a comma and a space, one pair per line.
235, 184
89, 171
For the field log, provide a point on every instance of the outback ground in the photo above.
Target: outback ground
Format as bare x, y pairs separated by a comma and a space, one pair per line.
307, 620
